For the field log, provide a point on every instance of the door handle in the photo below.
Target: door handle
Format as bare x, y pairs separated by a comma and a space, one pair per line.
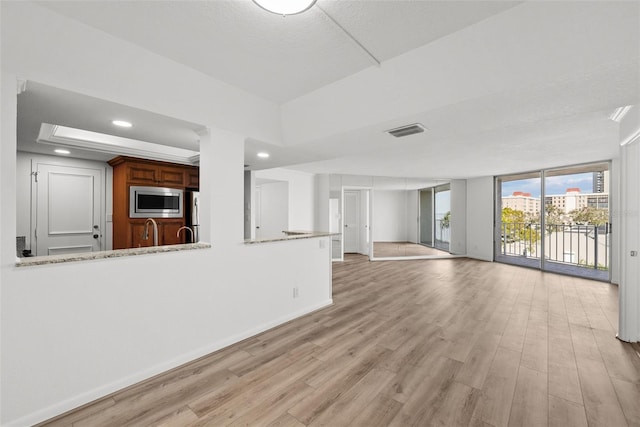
96, 232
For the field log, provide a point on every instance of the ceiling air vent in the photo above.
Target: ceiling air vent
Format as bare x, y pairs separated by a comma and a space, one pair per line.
406, 130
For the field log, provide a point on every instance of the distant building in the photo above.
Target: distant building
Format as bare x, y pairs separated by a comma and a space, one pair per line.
601, 182
573, 199
522, 202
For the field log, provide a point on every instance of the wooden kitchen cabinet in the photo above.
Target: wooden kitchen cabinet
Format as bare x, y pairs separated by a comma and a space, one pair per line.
167, 230
139, 173
170, 231
192, 177
128, 171
171, 176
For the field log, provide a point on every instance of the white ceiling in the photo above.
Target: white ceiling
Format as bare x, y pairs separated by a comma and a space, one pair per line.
501, 86
278, 58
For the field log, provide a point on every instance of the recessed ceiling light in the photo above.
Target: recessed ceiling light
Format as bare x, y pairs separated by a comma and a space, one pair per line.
61, 151
122, 123
282, 7
62, 136
263, 155
619, 114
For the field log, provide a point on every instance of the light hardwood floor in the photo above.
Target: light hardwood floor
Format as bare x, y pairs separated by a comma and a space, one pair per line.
401, 249
435, 342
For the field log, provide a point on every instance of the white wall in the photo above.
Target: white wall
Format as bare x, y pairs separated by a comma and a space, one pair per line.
614, 213
389, 216
249, 201
73, 332
458, 244
629, 323
480, 218
301, 195
322, 209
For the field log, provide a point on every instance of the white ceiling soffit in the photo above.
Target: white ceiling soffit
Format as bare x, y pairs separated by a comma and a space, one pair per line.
278, 58
41, 103
62, 136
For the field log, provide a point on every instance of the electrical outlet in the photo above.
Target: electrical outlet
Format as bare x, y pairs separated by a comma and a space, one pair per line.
322, 244
295, 292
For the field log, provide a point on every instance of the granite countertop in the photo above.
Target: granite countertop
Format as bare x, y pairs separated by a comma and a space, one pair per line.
57, 259
291, 235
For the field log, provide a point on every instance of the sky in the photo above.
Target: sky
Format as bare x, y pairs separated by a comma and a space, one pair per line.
554, 185
443, 203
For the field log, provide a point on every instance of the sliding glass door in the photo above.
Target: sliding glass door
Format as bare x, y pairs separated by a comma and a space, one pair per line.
556, 220
576, 221
442, 217
435, 217
517, 232
426, 217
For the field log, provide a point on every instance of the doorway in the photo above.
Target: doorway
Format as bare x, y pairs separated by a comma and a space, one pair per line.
435, 217
352, 221
442, 216
556, 220
356, 216
58, 229
272, 209
426, 217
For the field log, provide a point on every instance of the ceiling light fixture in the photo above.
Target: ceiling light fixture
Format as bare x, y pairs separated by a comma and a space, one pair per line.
619, 114
285, 7
263, 155
121, 123
632, 138
61, 151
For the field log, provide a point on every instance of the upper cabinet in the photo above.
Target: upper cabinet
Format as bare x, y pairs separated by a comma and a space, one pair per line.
152, 173
192, 177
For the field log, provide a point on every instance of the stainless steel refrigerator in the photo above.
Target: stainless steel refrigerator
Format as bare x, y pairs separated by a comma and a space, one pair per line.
192, 214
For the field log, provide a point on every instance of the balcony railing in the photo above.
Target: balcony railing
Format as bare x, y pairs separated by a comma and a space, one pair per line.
443, 235
580, 245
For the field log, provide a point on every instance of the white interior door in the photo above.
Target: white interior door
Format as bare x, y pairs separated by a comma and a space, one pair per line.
364, 222
273, 209
352, 221
68, 209
258, 209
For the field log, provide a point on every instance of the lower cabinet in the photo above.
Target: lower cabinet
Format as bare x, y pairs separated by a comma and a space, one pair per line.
167, 233
170, 234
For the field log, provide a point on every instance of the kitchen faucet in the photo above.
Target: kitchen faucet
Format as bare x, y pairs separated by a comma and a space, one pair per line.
145, 233
184, 227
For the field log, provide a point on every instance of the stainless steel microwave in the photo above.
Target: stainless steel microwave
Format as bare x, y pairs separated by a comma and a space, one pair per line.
155, 202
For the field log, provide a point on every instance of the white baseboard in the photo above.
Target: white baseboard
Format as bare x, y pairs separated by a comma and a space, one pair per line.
97, 393
480, 257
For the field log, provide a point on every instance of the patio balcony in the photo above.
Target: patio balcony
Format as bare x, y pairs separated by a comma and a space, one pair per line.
584, 246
